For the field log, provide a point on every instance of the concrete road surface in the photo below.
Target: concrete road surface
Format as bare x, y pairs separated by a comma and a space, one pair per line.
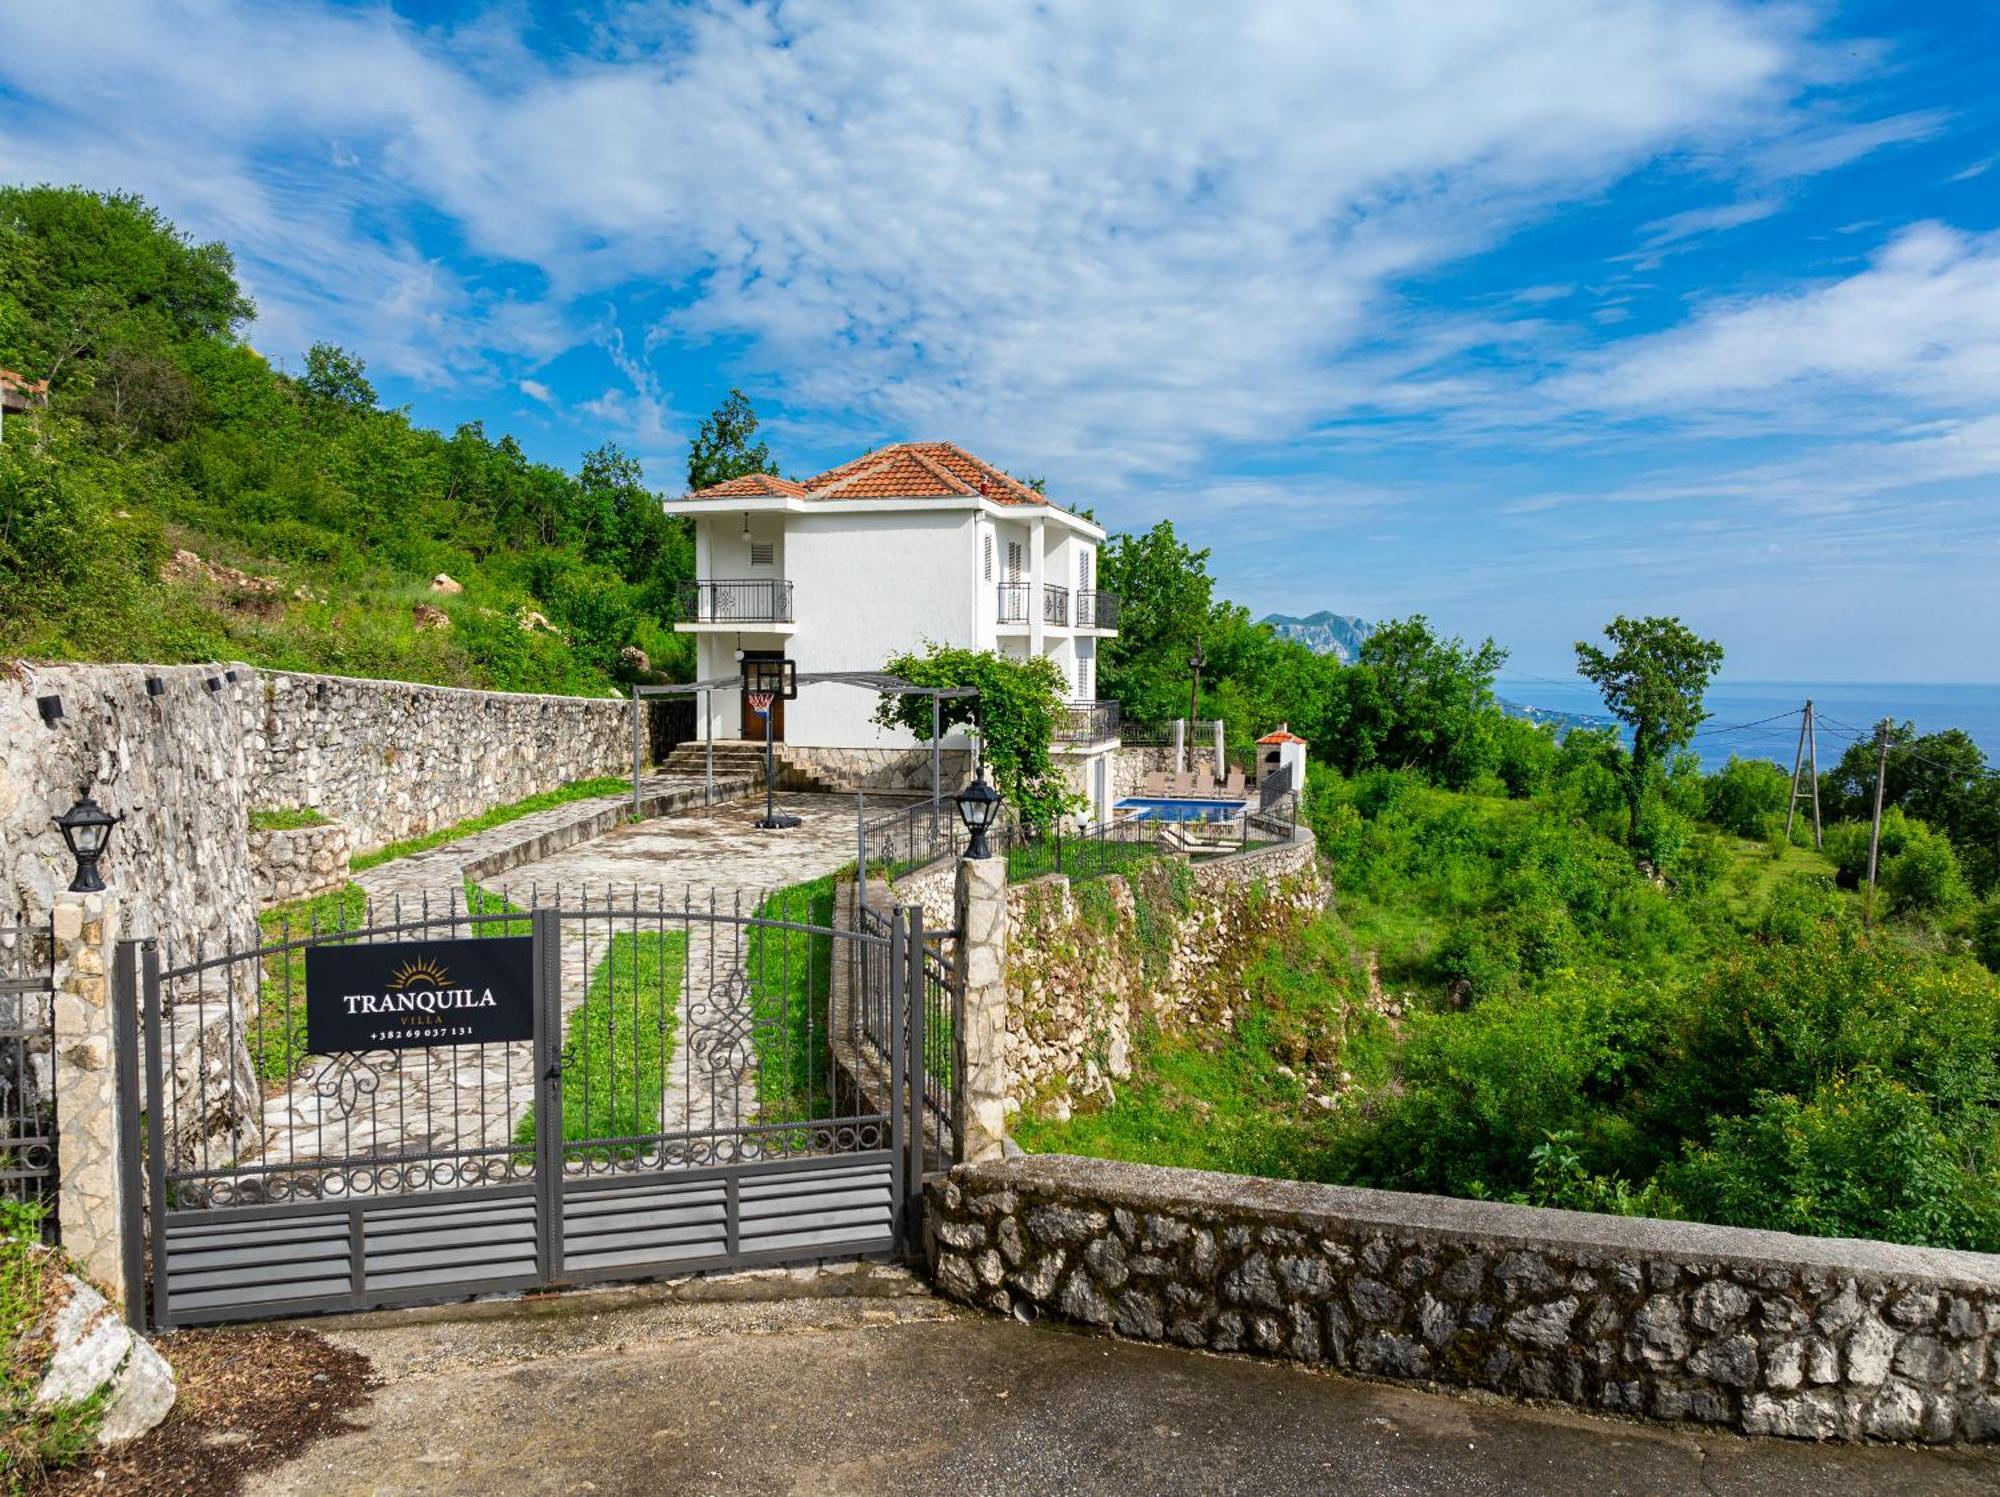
879, 1388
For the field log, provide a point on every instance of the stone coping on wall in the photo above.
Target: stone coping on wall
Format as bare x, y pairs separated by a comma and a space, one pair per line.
1765, 1332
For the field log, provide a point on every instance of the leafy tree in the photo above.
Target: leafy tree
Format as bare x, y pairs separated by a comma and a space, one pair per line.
1653, 679
1015, 713
1941, 779
1166, 595
337, 377
726, 447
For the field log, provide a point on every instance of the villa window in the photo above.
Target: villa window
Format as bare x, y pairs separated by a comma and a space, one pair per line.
989, 556
763, 553
1083, 571
1013, 561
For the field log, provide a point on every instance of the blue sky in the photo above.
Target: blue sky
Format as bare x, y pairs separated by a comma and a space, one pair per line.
1516, 314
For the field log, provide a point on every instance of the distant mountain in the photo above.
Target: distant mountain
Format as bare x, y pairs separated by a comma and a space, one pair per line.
1324, 633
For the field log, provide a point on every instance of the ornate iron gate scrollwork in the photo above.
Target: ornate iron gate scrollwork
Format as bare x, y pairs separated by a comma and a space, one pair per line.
675, 1110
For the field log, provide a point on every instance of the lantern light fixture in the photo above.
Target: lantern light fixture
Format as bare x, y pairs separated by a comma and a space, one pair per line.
51, 709
86, 827
978, 804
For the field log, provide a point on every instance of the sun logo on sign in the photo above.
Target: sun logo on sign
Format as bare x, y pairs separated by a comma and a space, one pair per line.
424, 972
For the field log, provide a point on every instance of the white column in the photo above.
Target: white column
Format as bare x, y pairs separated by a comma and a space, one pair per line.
1035, 580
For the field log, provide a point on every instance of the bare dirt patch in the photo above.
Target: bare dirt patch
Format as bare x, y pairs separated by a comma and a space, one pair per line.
249, 1400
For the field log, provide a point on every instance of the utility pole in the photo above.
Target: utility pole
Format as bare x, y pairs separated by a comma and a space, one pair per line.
1805, 757
1875, 828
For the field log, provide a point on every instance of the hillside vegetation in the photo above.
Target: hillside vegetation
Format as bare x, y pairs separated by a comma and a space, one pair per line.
179, 499
1549, 979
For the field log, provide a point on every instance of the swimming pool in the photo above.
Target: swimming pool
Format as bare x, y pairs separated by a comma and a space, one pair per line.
1142, 809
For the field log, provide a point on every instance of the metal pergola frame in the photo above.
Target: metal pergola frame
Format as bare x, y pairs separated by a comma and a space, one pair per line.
879, 682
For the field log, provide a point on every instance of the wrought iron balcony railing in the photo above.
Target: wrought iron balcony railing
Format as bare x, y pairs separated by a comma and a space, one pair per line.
1088, 722
1013, 602
1096, 610
745, 600
1055, 604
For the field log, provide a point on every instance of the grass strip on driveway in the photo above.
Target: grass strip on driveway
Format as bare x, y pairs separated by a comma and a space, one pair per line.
498, 816
618, 1044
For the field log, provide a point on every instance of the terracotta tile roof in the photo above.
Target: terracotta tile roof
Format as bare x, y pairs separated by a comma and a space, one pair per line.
1283, 735
22, 383
903, 470
751, 485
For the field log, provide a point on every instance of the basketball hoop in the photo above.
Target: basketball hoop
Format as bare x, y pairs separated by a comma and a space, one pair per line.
760, 702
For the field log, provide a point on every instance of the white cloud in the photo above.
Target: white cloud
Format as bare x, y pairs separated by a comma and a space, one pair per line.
1916, 330
1107, 236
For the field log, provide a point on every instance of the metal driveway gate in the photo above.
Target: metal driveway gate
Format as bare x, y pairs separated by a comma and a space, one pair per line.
674, 1108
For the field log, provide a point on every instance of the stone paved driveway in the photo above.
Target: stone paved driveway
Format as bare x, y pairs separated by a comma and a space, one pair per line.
469, 1098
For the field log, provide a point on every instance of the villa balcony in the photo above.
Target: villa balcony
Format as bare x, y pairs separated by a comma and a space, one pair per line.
1088, 722
736, 601
1095, 609
1055, 604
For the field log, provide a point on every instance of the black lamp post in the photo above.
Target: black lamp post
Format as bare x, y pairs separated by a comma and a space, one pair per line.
1195, 662
978, 803
86, 827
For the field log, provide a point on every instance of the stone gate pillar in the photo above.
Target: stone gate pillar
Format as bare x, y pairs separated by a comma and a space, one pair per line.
980, 910
88, 1151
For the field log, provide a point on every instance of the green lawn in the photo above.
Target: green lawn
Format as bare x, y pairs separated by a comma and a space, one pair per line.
286, 820
618, 1044
32, 1441
1078, 857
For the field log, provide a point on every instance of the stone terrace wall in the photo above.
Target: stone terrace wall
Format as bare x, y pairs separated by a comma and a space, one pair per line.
385, 759
391, 759
298, 862
1759, 1331
1079, 974
173, 763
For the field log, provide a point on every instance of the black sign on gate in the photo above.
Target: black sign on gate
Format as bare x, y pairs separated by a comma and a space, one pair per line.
406, 994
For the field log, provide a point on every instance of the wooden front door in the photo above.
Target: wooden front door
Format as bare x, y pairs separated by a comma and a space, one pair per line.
753, 724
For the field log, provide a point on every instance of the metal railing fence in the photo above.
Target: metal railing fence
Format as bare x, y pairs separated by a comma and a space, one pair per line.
747, 600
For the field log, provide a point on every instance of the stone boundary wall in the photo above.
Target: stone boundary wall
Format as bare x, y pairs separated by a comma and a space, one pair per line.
298, 862
1761, 1332
385, 759
1077, 981
396, 759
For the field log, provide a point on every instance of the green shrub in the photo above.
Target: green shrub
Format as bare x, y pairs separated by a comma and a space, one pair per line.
1861, 1156
1986, 934
1745, 794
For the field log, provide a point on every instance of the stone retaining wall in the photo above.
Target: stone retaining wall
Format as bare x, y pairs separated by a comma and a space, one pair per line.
1759, 1331
1079, 974
845, 770
298, 862
395, 759
385, 759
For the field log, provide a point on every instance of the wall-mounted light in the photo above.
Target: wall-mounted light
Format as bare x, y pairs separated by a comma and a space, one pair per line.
229, 676
746, 524
155, 687
978, 805
51, 709
213, 683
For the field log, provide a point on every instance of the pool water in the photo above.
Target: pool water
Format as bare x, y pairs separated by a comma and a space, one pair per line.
1181, 810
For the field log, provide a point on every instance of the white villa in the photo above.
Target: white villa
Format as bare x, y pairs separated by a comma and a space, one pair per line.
912, 543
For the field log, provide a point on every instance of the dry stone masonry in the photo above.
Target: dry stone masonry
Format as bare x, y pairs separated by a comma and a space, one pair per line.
296, 863
1758, 1331
186, 753
1079, 976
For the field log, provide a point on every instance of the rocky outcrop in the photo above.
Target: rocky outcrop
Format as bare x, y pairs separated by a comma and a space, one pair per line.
1758, 1331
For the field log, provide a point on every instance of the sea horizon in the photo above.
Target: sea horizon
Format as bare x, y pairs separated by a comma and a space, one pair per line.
1741, 712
